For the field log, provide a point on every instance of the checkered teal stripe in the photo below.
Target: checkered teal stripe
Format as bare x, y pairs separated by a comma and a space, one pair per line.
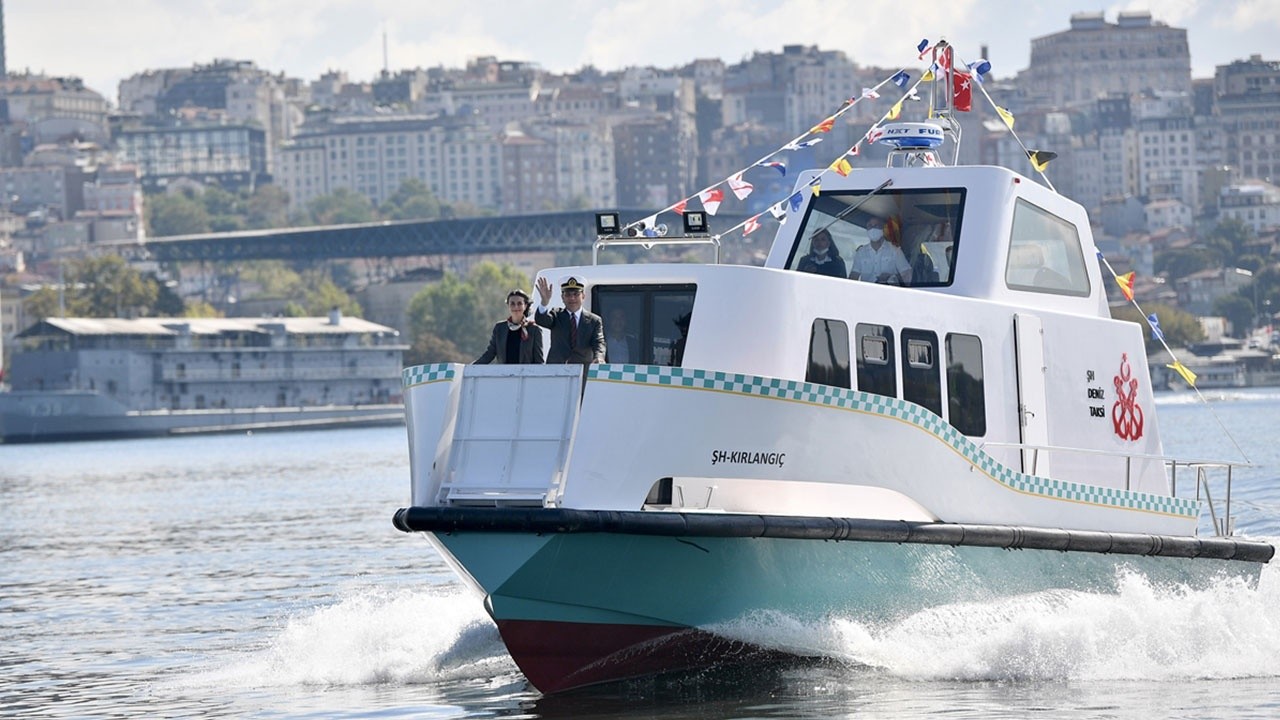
422, 374
901, 410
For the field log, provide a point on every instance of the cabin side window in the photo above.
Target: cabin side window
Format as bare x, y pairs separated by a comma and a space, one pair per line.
876, 371
828, 353
644, 324
1045, 254
966, 393
921, 382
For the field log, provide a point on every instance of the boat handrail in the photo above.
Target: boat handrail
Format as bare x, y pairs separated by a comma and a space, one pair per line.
649, 242
1222, 527
1115, 453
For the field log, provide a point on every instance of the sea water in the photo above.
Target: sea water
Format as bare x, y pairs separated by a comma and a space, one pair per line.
259, 575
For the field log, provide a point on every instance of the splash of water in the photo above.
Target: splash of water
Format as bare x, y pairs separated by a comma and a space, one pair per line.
1144, 632
376, 636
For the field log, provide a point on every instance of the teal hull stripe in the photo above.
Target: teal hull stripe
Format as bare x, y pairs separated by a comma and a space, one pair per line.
852, 400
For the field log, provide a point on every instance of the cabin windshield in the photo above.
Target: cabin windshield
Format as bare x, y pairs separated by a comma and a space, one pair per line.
895, 237
645, 324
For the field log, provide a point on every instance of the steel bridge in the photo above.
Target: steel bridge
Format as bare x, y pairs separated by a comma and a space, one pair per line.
554, 232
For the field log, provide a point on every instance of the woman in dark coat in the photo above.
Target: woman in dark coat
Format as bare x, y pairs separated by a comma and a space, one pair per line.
824, 257
515, 340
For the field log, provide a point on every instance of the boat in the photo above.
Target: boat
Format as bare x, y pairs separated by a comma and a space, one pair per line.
84, 378
790, 443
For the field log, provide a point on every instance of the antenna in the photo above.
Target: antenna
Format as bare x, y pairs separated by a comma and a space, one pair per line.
386, 65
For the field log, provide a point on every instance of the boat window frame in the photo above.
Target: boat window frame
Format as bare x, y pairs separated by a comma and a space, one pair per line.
644, 329
857, 219
1040, 255
875, 375
955, 396
841, 368
921, 382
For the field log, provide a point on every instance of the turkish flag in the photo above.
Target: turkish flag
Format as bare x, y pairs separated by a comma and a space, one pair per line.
962, 92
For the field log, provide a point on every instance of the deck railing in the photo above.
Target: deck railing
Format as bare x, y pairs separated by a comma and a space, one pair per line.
1223, 524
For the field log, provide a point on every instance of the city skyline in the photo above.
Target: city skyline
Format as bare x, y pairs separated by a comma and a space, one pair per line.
100, 42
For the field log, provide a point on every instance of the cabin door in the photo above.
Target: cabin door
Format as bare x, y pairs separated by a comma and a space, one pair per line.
1033, 418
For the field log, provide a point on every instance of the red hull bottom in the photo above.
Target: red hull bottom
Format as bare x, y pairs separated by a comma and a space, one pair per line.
558, 656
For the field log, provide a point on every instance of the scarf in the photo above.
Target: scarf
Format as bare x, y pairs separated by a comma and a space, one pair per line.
522, 326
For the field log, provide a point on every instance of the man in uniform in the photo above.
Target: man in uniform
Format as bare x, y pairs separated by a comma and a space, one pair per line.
577, 335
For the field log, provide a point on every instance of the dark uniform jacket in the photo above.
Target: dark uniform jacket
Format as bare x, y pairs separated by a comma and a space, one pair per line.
590, 345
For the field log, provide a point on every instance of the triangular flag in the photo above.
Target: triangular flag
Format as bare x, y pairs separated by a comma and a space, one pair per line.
741, 188
752, 224
895, 111
870, 93
795, 200
816, 186
841, 167
824, 126
797, 145
928, 75
1184, 371
780, 167
649, 226
679, 207
1156, 332
777, 211
874, 134
711, 200
855, 149
1126, 285
979, 68
1005, 115
1040, 158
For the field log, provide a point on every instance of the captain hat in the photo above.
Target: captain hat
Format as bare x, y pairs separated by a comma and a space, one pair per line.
572, 284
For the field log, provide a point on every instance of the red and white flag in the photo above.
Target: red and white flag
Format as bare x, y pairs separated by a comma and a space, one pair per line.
751, 226
711, 200
741, 188
679, 207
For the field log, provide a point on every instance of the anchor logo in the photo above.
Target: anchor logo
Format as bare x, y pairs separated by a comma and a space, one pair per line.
1126, 414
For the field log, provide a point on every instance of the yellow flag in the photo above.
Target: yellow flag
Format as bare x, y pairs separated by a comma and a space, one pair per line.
1126, 284
842, 167
817, 187
1184, 371
1040, 158
928, 75
1006, 116
895, 111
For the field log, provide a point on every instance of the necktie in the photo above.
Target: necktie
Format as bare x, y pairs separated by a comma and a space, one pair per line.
573, 334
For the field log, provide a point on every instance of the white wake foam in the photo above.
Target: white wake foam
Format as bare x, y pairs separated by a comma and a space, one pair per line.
1144, 632
375, 636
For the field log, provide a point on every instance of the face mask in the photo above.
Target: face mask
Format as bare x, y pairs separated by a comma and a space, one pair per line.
875, 234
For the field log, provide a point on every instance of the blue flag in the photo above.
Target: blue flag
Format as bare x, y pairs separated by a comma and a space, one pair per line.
794, 201
1156, 332
901, 79
923, 44
979, 68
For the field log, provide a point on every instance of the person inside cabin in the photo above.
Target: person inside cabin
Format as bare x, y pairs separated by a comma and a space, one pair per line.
577, 335
620, 347
677, 347
516, 340
923, 270
879, 261
823, 257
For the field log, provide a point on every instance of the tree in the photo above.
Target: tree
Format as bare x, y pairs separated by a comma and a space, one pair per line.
1229, 238
1237, 309
413, 200
1179, 263
1180, 328
177, 214
268, 207
343, 206
100, 287
460, 312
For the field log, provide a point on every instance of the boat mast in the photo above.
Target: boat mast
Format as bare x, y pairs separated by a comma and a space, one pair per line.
942, 94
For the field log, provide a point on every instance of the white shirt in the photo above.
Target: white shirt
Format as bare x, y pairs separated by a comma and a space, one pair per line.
869, 263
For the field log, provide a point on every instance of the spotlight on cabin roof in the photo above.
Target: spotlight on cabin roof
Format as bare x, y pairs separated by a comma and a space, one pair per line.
607, 223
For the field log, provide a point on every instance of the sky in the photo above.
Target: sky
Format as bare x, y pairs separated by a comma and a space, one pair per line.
104, 41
